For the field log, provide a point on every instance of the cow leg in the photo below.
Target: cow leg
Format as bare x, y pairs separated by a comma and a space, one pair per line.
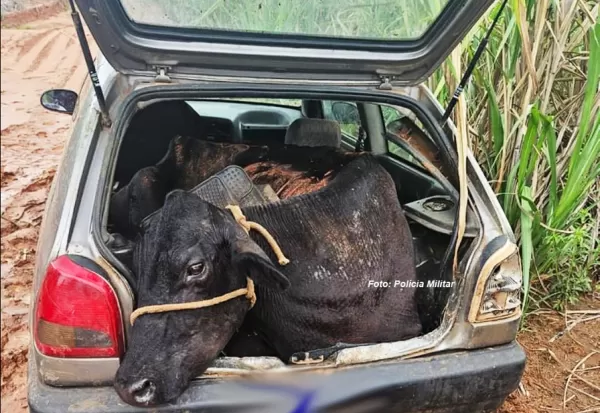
322, 354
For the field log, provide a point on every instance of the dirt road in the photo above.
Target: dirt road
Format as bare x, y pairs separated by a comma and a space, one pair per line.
43, 54
36, 56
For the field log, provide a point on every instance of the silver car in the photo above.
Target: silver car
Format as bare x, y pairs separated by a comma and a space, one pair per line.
243, 72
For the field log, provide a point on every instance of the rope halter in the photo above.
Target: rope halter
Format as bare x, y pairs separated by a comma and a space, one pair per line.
247, 292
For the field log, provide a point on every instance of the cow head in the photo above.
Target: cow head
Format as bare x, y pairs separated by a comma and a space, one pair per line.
142, 196
188, 251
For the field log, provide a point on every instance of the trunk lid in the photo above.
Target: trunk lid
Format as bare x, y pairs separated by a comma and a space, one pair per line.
351, 41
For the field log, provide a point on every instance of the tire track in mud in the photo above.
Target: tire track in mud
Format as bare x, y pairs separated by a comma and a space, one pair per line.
10, 42
31, 42
72, 66
70, 43
63, 53
39, 56
66, 79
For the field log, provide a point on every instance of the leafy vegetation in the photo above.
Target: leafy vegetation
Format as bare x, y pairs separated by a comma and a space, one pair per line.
533, 109
534, 116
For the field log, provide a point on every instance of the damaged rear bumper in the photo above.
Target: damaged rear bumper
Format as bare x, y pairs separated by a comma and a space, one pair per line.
466, 381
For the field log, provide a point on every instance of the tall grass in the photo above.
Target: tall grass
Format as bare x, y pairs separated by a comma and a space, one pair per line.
533, 108
534, 116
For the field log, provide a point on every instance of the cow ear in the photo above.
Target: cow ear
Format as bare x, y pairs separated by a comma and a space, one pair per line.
248, 257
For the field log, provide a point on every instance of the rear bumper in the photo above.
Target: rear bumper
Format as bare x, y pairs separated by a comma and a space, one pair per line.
467, 381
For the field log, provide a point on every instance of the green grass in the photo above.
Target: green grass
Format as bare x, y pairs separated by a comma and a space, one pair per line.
533, 110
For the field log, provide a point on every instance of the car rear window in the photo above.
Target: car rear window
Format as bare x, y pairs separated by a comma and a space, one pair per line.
367, 19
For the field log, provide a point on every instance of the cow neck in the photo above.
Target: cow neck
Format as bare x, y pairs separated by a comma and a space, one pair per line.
248, 292
249, 225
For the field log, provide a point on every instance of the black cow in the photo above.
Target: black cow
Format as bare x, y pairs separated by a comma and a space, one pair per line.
337, 238
190, 161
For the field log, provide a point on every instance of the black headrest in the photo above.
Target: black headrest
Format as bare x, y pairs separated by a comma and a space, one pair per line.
312, 109
314, 132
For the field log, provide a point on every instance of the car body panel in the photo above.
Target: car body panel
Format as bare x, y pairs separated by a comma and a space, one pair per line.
472, 381
141, 48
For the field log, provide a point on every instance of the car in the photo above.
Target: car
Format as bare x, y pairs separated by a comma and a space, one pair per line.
242, 73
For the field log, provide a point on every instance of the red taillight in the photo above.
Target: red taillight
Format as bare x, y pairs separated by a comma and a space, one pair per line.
77, 313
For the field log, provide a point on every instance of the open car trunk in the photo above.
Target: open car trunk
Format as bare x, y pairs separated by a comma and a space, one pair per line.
251, 152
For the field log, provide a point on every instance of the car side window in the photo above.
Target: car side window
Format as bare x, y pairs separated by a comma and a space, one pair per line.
346, 114
393, 121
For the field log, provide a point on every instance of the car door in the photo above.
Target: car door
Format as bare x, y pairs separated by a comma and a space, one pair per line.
354, 42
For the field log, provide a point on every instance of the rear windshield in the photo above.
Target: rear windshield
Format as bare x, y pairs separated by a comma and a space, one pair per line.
366, 19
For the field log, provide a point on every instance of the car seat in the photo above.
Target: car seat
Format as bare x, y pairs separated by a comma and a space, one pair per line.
314, 132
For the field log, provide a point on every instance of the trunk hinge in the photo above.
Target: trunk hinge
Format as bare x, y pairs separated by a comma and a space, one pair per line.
161, 74
385, 83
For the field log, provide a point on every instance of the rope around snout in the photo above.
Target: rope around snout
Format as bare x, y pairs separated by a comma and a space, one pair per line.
247, 292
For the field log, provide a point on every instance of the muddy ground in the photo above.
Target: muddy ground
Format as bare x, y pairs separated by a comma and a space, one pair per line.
36, 55
40, 51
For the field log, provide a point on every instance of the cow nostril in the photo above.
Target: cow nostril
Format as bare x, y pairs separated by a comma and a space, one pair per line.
143, 391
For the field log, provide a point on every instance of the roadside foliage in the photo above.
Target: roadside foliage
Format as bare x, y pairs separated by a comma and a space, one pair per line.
534, 126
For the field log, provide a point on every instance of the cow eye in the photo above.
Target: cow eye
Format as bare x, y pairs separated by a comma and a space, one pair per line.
196, 270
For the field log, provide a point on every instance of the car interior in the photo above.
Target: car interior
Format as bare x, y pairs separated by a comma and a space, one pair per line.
346, 125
